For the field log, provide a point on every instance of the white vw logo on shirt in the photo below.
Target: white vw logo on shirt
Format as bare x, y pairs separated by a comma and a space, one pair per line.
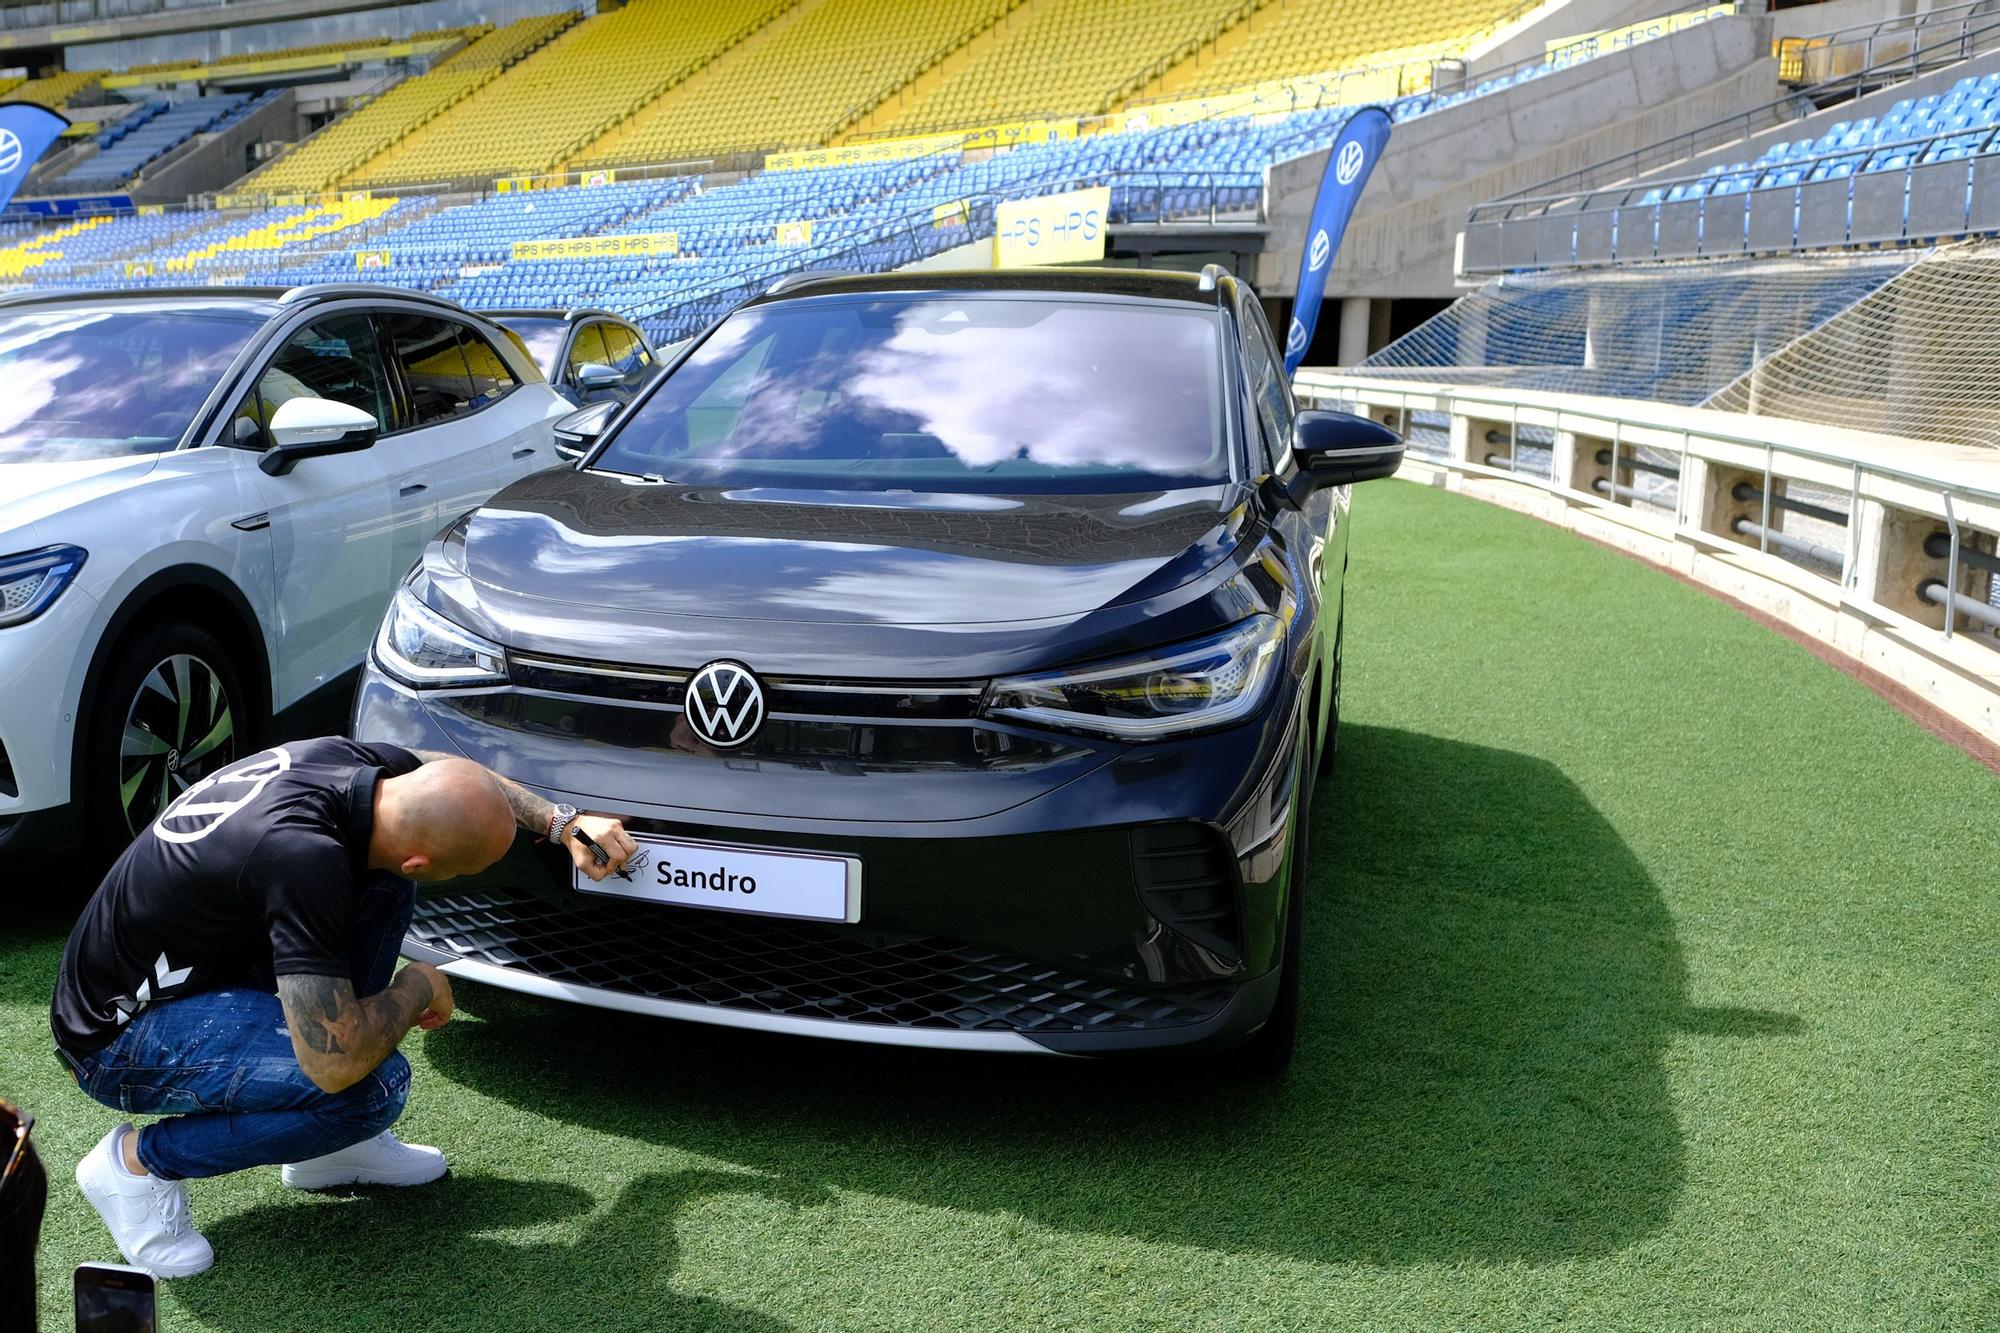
203, 808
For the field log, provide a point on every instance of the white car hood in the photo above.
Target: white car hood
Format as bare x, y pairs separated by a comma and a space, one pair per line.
33, 491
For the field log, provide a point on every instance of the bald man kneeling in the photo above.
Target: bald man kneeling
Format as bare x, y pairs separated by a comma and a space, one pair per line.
234, 974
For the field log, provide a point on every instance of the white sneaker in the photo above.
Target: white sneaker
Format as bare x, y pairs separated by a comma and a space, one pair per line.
382, 1160
148, 1217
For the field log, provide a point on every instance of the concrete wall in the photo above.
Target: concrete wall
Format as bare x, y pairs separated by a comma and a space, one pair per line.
1403, 239
1559, 21
1811, 20
216, 162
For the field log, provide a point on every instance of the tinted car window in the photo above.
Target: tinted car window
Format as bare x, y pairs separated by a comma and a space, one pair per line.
950, 393
83, 382
623, 347
587, 349
433, 366
491, 379
333, 358
543, 338
1267, 388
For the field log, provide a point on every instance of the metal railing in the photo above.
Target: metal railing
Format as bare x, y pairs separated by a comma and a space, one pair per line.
1915, 522
1946, 184
1542, 194
1821, 56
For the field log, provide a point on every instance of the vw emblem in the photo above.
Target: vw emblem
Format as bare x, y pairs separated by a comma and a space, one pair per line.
1295, 339
725, 704
10, 151
1348, 167
208, 804
1321, 248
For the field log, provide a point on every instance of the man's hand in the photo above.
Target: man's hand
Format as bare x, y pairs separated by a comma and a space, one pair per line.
441, 1007
606, 832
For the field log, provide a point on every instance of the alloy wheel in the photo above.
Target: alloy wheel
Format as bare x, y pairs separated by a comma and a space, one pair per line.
180, 727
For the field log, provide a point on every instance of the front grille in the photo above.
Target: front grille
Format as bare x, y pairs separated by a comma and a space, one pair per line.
793, 968
790, 696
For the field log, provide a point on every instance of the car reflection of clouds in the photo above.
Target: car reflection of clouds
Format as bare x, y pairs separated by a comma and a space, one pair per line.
956, 386
908, 589
556, 548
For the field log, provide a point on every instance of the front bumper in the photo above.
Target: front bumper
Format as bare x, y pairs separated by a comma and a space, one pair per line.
42, 666
1110, 899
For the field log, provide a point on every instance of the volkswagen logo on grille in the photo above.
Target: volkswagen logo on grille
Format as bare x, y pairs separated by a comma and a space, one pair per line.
725, 704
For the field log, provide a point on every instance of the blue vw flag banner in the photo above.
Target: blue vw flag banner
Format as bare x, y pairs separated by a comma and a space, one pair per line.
26, 131
1361, 142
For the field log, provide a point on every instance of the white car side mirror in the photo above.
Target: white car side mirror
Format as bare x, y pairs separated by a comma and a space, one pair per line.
310, 427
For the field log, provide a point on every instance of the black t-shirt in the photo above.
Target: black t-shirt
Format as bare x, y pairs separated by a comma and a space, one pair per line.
256, 868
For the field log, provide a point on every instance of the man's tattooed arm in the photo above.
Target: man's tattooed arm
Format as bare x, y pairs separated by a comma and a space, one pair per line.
340, 1038
531, 812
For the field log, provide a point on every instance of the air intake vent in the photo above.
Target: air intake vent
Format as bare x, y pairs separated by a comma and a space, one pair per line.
8, 786
1184, 879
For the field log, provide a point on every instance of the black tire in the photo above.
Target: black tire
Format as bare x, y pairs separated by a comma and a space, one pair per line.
153, 671
1329, 748
1268, 1053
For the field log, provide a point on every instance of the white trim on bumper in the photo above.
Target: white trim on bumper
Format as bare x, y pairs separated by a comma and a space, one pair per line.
873, 1033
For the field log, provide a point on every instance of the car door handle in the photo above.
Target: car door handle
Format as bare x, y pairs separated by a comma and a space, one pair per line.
411, 489
528, 452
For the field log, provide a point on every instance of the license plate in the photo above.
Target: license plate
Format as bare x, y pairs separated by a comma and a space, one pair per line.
810, 885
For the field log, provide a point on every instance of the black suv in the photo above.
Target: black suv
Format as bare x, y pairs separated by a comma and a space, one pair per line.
960, 648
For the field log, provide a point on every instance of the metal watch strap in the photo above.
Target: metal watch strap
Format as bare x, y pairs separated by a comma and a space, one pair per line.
560, 818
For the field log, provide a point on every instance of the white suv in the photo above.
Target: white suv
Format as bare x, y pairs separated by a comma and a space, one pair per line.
207, 497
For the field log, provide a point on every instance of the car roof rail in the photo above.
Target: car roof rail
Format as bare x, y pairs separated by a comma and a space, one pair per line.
45, 295
1212, 276
328, 291
800, 279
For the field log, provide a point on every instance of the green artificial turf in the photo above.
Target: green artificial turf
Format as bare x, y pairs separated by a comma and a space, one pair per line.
1651, 978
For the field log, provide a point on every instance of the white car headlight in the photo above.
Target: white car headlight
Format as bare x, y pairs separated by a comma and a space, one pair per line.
1171, 691
33, 579
419, 647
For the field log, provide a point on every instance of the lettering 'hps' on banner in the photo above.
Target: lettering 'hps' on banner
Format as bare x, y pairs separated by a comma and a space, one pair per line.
1051, 229
26, 131
1347, 166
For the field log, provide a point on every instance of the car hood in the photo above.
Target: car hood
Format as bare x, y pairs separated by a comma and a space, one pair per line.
30, 491
591, 540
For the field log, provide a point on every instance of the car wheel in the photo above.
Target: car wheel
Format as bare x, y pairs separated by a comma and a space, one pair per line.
1329, 749
1268, 1054
170, 710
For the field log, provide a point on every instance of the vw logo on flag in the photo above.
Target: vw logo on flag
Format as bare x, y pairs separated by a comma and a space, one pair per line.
1295, 339
725, 704
1321, 248
10, 151
1351, 157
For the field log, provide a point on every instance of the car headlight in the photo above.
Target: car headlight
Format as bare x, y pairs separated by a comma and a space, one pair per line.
1171, 691
33, 579
419, 647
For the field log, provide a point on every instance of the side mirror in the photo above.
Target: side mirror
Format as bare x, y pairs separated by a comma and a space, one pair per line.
1340, 449
577, 432
304, 428
593, 377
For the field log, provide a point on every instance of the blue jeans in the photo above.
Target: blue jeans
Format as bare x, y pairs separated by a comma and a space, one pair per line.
221, 1064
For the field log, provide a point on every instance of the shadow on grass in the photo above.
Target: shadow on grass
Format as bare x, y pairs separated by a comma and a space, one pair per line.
1492, 980
376, 1257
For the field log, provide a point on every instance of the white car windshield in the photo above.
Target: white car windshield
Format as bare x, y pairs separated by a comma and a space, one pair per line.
104, 382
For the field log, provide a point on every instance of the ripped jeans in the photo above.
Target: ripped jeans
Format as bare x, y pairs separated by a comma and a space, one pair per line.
220, 1064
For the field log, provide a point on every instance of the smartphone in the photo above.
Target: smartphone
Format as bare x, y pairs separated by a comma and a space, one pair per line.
111, 1298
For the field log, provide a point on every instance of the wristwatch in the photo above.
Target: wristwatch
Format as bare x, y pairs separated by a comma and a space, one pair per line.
559, 821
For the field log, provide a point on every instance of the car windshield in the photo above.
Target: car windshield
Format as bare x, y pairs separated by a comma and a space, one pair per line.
543, 336
95, 382
941, 393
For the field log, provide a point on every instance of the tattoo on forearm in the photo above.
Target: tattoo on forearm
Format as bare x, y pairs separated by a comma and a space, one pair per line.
339, 1036
531, 812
